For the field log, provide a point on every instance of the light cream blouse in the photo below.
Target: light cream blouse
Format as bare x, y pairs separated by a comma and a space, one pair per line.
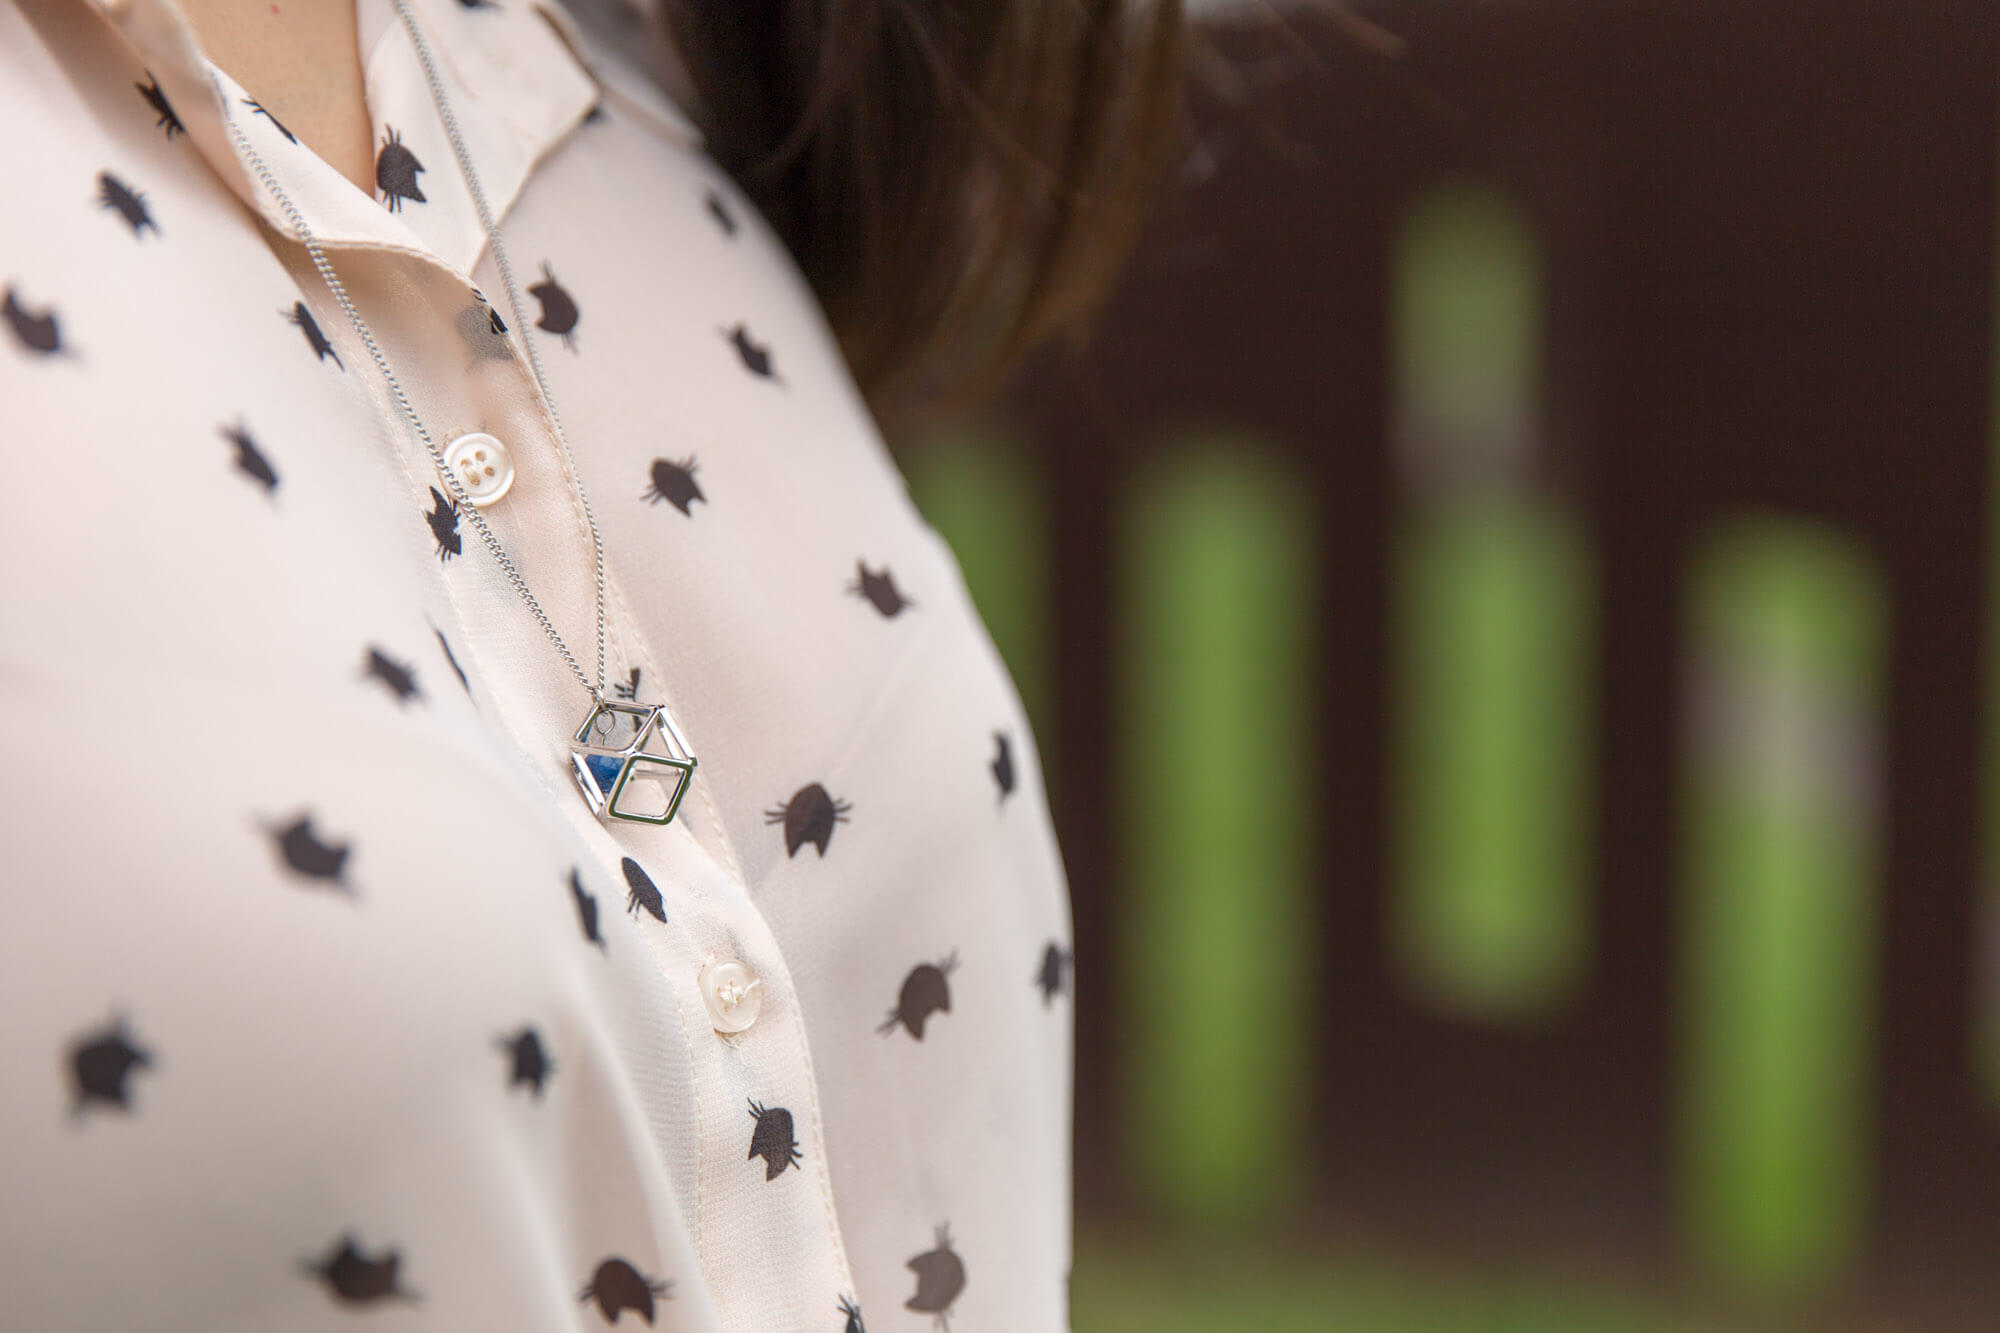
325, 1001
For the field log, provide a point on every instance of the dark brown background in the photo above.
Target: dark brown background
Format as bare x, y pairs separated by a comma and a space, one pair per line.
1769, 232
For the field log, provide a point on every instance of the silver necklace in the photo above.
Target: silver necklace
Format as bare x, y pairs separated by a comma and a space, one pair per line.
629, 759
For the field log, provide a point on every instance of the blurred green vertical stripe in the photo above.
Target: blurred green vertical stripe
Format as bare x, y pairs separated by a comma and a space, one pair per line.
983, 494
1216, 793
1466, 331
1491, 755
1492, 630
1788, 642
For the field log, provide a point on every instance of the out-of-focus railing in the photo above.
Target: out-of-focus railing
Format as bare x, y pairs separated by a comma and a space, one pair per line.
1505, 610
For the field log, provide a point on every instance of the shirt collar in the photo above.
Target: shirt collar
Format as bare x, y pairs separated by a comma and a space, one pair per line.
633, 57
511, 72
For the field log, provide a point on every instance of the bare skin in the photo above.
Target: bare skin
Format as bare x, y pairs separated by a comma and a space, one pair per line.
302, 60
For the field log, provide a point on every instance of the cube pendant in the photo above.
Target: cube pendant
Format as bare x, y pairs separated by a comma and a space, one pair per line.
631, 762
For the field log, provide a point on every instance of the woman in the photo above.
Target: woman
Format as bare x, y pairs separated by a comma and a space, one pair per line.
512, 821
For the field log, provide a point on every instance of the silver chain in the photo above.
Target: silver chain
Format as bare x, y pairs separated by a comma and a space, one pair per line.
402, 400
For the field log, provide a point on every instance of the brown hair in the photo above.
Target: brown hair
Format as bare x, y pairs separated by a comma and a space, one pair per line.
958, 179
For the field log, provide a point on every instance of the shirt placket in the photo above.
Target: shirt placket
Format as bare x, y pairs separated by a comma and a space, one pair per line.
769, 1244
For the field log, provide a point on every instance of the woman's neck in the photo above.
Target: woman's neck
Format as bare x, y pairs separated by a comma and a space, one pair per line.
302, 60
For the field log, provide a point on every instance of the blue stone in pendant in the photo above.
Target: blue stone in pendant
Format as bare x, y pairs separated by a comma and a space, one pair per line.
604, 768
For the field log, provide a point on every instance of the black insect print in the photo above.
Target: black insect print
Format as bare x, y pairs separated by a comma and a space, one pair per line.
926, 991
168, 121
126, 202
772, 1140
1052, 976
1002, 765
878, 590
629, 687
399, 679
809, 817
586, 909
250, 460
644, 893
443, 519
595, 116
306, 855
396, 172
483, 332
719, 210
853, 1313
258, 108
559, 312
99, 1063
527, 1062
35, 329
756, 356
617, 1286
452, 659
477, 4
352, 1277
940, 1278
674, 483
301, 318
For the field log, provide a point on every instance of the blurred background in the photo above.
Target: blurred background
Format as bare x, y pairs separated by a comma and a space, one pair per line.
1505, 606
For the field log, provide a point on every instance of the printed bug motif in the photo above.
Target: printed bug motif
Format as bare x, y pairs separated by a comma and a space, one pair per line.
756, 356
494, 324
719, 210
940, 1279
596, 114
617, 1286
644, 893
926, 991
484, 333
306, 855
627, 688
1053, 974
126, 202
477, 4
674, 482
879, 590
559, 312
36, 330
399, 679
452, 659
853, 1312
528, 1062
168, 121
586, 910
396, 172
1002, 765
772, 1140
353, 1278
443, 519
250, 460
809, 817
99, 1063
302, 319
257, 108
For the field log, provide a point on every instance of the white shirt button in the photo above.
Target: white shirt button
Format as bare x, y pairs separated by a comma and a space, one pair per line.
734, 994
482, 465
